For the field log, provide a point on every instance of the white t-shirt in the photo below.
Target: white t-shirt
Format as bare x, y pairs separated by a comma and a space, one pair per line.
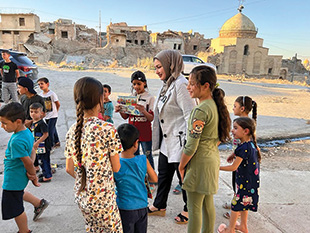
49, 100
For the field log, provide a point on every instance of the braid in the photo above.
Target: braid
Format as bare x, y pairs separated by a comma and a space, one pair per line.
78, 135
224, 118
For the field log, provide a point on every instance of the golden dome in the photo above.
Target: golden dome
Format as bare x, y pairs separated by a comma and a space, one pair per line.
238, 26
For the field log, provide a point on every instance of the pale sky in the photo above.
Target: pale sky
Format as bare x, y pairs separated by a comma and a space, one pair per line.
284, 25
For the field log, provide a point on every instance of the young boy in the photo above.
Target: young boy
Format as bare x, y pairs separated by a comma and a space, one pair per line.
41, 145
18, 165
107, 105
52, 106
130, 181
29, 96
9, 72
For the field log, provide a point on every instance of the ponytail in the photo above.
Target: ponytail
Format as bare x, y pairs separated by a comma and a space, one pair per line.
224, 118
254, 110
259, 157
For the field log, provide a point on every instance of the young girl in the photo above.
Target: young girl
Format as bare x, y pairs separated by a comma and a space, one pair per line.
92, 155
145, 106
246, 165
242, 107
209, 122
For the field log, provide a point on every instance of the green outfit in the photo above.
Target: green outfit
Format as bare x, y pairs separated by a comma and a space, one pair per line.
202, 172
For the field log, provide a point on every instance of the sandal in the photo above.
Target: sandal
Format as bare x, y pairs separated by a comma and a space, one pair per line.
227, 206
221, 228
161, 213
183, 219
177, 190
227, 215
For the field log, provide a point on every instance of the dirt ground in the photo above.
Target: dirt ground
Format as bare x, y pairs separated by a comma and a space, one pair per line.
290, 156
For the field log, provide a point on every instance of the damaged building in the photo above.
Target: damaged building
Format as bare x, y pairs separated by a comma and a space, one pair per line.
184, 42
15, 30
66, 29
122, 35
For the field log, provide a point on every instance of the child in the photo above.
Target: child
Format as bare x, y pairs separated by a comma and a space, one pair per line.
9, 72
92, 155
242, 107
145, 106
131, 189
17, 164
29, 96
107, 105
209, 123
246, 165
42, 143
52, 106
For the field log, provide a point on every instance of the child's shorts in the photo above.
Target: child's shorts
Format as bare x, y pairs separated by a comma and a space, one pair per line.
12, 204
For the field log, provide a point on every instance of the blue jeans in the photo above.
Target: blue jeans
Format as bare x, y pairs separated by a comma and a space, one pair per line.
52, 132
147, 150
45, 164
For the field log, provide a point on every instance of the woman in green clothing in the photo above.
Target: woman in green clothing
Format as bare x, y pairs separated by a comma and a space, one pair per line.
208, 124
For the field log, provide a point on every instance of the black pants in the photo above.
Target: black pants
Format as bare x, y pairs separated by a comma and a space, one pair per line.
165, 176
134, 221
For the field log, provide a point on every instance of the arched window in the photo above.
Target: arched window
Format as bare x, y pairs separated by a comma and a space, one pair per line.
246, 50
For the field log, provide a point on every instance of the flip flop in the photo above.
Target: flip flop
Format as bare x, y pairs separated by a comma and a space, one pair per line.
183, 219
161, 213
221, 228
177, 190
227, 206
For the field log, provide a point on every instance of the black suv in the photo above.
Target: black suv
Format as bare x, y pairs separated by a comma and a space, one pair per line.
26, 67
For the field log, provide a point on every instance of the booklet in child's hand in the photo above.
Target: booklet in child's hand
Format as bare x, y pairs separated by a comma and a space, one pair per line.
127, 104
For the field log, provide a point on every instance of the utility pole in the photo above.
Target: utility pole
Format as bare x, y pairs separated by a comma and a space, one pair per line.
294, 67
100, 29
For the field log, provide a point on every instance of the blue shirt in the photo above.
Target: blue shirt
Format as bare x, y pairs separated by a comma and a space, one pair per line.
108, 110
130, 185
19, 145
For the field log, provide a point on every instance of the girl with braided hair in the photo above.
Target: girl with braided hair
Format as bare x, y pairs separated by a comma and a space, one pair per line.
209, 123
247, 170
92, 155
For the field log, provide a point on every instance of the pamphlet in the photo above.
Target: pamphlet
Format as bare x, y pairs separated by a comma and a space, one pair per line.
128, 105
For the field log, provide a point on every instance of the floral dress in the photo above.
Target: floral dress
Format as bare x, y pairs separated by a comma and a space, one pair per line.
247, 179
97, 201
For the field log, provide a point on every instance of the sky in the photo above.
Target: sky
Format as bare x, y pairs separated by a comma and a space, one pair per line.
284, 25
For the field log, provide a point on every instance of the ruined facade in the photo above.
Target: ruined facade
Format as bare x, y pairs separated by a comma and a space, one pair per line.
168, 40
122, 35
237, 50
184, 42
68, 30
15, 30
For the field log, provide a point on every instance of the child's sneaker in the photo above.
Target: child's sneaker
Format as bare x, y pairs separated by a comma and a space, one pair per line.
39, 210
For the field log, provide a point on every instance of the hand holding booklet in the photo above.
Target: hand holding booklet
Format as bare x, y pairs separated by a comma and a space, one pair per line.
128, 105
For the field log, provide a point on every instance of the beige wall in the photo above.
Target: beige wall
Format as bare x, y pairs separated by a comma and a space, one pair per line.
12, 34
117, 41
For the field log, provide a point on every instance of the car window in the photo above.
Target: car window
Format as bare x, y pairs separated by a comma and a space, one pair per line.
187, 59
23, 59
197, 60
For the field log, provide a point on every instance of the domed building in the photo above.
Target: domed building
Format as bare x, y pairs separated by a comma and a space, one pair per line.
238, 51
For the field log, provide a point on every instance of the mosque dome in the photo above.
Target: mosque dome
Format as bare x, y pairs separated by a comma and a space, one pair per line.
238, 26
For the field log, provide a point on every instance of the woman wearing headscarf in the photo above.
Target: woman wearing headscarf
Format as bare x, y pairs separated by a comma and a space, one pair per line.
172, 111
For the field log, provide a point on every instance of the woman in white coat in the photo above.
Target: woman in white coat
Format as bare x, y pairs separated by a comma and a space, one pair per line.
172, 110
